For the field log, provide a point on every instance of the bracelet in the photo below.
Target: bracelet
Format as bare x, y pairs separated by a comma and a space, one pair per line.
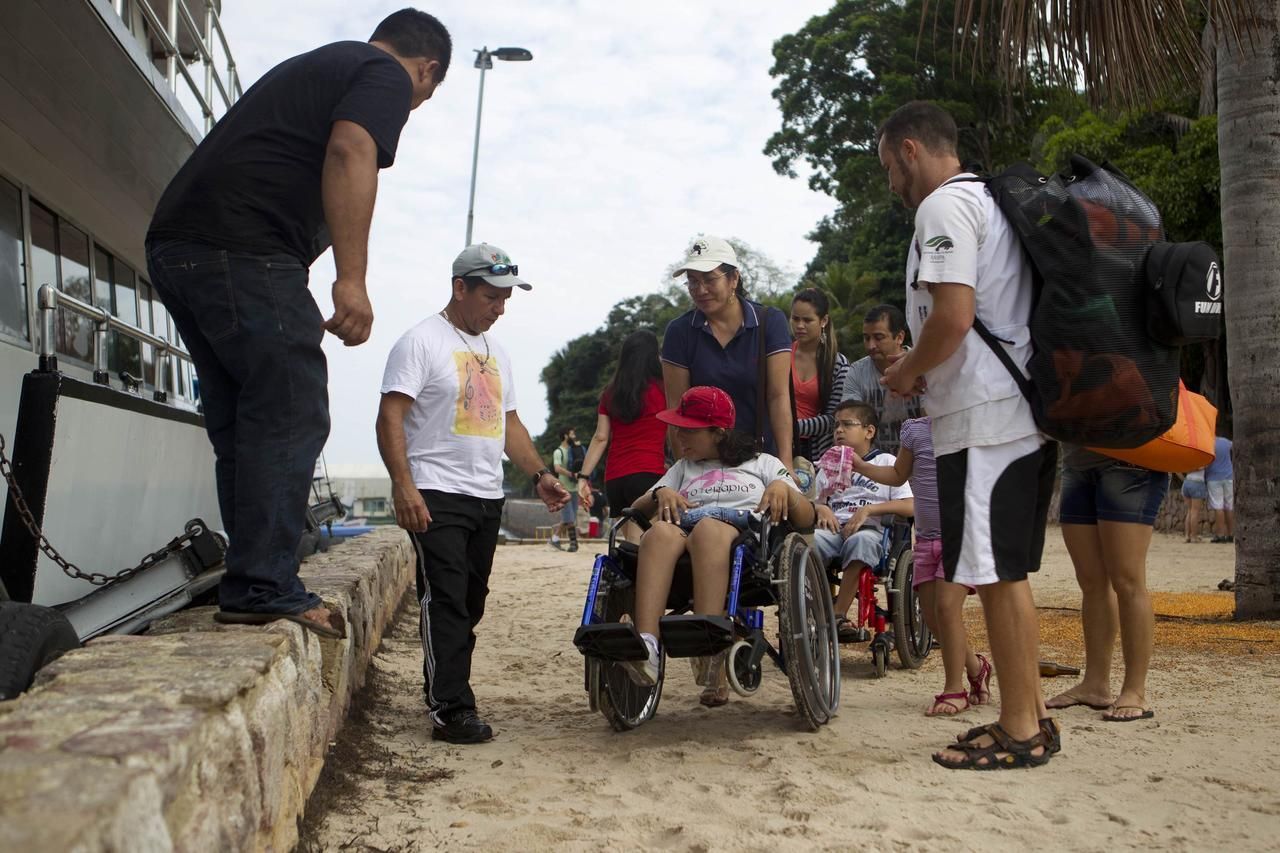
654, 492
537, 478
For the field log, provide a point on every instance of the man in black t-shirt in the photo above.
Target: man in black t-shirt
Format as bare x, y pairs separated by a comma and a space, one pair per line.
291, 169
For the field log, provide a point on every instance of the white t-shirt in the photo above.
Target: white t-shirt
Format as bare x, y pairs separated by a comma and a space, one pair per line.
710, 483
961, 237
455, 431
863, 491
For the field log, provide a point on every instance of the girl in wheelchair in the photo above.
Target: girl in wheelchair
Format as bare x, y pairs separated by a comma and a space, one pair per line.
699, 507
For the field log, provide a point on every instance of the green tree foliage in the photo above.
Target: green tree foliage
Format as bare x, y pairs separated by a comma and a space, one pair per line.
841, 75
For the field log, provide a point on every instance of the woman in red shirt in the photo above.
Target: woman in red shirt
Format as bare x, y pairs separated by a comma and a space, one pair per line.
817, 373
627, 425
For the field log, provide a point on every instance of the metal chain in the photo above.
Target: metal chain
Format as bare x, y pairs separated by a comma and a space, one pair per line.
71, 569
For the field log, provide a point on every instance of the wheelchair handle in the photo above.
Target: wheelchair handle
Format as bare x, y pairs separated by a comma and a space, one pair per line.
636, 516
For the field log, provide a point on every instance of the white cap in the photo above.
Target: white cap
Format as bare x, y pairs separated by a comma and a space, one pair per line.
706, 253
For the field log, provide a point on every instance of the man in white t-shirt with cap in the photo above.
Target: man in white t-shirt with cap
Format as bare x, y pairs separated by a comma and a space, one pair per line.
447, 415
995, 471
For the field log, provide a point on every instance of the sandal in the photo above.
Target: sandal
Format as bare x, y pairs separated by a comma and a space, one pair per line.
1017, 753
948, 700
336, 629
846, 631
980, 687
1048, 727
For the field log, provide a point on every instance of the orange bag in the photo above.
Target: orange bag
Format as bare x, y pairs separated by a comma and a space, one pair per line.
1187, 446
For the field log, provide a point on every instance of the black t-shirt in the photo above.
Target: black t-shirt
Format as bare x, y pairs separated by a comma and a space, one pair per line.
253, 184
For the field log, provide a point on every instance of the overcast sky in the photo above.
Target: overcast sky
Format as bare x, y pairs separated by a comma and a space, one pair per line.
636, 126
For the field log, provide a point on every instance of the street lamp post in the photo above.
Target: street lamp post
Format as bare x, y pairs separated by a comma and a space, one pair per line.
484, 61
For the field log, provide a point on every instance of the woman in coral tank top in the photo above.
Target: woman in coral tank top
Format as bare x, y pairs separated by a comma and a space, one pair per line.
627, 425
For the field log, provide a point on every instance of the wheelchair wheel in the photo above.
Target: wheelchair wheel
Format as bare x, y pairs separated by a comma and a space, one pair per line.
879, 660
910, 633
743, 677
623, 703
807, 632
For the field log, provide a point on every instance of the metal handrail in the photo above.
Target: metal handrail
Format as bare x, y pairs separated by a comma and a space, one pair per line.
49, 299
166, 32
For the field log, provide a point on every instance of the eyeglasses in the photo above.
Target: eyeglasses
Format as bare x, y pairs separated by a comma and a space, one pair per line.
849, 424
498, 269
704, 284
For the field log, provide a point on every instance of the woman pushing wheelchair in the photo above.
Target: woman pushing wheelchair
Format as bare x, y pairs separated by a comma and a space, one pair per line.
699, 507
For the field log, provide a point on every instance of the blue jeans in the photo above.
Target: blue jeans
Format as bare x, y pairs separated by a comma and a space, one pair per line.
254, 333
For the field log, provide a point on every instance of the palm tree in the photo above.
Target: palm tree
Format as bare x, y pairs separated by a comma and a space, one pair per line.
1130, 51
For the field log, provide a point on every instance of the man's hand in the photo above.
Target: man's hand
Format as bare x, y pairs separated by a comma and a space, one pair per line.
900, 379
827, 519
776, 501
411, 509
855, 522
352, 317
551, 493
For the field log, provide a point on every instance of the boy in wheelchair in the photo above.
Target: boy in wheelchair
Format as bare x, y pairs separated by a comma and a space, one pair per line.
851, 506
700, 506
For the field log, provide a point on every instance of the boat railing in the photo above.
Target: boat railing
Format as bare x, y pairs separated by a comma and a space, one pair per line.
165, 355
208, 36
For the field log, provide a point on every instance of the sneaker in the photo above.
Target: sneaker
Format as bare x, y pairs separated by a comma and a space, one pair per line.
555, 543
463, 727
644, 672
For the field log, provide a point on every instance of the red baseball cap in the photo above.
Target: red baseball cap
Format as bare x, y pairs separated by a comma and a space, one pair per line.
701, 407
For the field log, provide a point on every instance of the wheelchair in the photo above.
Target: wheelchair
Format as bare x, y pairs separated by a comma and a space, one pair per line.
771, 565
901, 625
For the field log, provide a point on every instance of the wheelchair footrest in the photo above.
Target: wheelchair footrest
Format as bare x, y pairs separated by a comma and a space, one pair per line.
614, 641
694, 636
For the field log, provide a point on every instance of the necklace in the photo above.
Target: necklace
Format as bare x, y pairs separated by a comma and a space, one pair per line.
483, 362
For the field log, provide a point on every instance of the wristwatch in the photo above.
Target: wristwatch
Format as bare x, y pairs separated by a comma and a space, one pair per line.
537, 478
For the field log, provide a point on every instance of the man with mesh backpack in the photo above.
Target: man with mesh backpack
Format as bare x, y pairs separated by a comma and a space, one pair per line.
995, 470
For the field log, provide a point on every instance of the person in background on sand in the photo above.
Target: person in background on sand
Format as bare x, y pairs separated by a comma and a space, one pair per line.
700, 506
1194, 492
817, 372
719, 342
1107, 515
561, 465
995, 470
941, 601
1219, 480
884, 335
291, 169
448, 413
627, 426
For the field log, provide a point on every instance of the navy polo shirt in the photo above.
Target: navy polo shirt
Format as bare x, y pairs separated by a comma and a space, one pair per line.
690, 343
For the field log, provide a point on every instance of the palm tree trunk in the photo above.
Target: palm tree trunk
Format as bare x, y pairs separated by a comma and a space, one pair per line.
1249, 149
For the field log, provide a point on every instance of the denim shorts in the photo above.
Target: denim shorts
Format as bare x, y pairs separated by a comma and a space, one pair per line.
1115, 491
1194, 490
738, 518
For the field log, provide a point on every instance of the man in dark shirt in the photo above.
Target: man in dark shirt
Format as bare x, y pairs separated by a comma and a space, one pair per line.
291, 169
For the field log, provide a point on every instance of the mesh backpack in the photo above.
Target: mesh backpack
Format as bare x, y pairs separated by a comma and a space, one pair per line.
1113, 302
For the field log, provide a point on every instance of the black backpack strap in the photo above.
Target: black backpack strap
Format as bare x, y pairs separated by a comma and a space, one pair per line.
762, 377
997, 347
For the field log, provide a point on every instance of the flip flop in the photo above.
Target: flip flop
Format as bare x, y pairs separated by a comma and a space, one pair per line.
232, 617
1074, 702
1110, 716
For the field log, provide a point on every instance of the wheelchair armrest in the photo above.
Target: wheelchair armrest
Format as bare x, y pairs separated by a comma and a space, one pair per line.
636, 516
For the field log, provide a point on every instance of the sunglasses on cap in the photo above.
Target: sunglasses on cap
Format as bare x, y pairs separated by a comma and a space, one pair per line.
498, 269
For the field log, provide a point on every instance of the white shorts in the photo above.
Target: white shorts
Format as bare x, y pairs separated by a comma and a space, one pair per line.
1222, 494
994, 502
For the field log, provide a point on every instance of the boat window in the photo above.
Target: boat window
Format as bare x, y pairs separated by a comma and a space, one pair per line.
44, 247
144, 323
113, 290
13, 286
75, 333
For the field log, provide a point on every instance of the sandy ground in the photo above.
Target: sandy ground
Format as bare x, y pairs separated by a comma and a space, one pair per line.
1200, 775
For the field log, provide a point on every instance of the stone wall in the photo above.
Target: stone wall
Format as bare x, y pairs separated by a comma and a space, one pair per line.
195, 736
